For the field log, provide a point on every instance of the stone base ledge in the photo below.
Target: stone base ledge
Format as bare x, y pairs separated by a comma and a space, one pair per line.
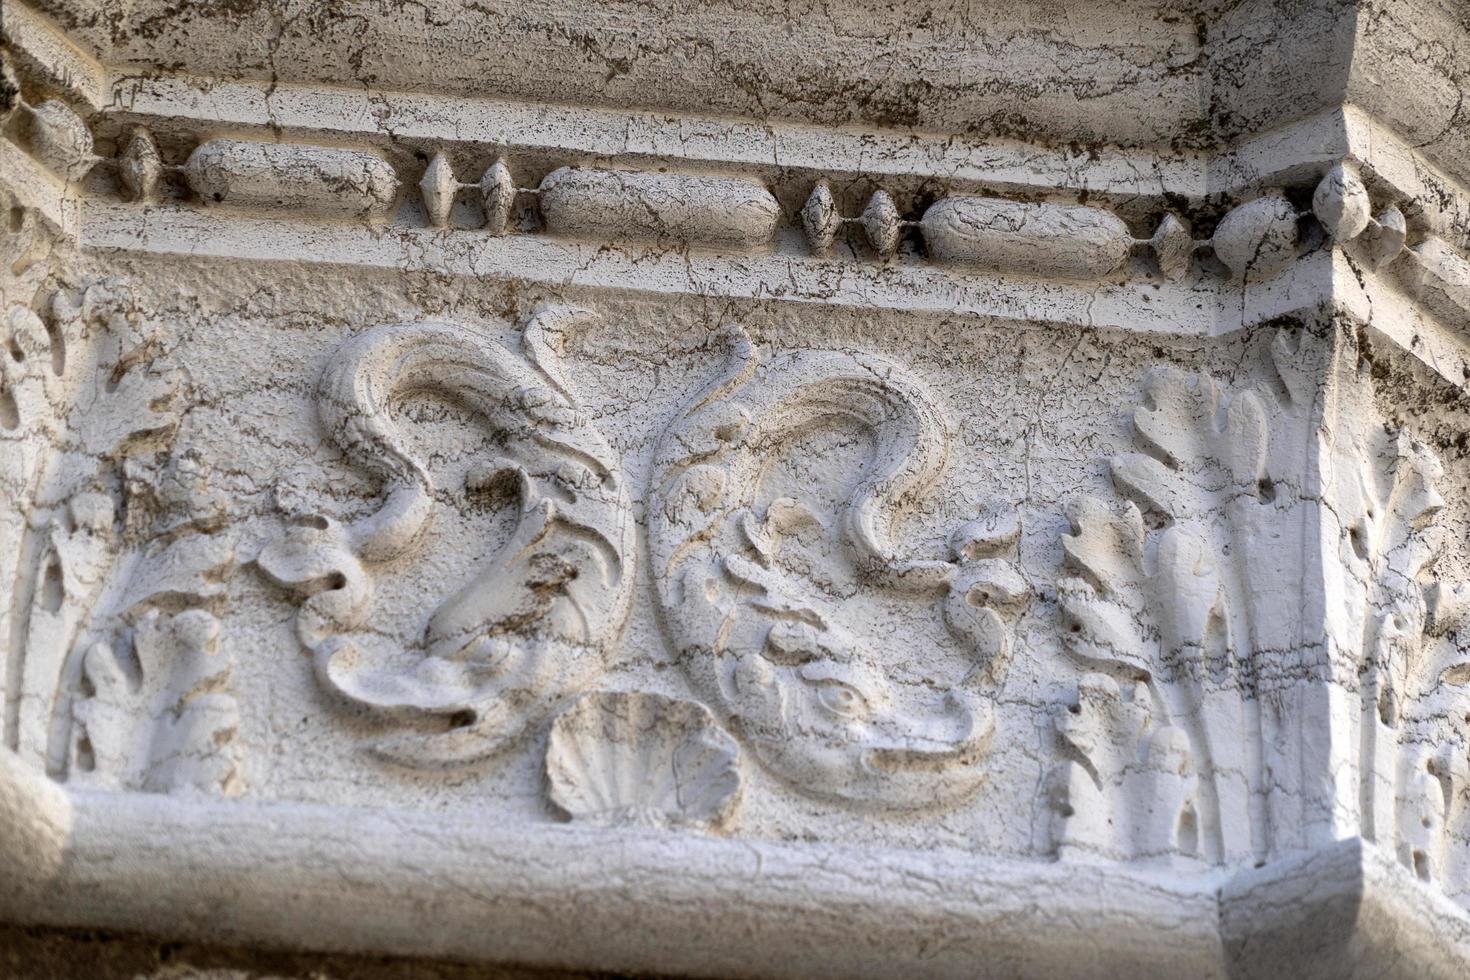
332, 879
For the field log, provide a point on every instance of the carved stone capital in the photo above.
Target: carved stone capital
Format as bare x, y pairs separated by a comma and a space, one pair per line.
944, 489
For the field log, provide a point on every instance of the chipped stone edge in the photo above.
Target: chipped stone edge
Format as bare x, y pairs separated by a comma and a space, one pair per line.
338, 879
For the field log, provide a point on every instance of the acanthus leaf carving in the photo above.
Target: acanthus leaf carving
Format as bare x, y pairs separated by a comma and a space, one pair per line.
1179, 601
176, 677
106, 530
153, 706
1244, 590
1130, 788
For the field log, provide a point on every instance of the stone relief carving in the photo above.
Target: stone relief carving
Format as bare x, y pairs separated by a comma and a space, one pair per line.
154, 709
1265, 639
1260, 660
106, 529
1414, 675
52, 131
23, 234
644, 760
313, 181
1441, 278
320, 181
1263, 237
689, 209
604, 204
774, 649
1254, 241
180, 680
536, 623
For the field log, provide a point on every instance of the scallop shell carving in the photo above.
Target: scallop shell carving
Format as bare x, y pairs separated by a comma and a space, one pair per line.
645, 760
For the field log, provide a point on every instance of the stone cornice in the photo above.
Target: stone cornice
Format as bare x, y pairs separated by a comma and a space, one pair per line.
378, 881
195, 105
1137, 184
1160, 72
1423, 289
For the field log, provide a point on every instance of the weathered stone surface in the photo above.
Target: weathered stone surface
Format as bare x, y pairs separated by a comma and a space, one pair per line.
47, 954
677, 489
677, 209
318, 181
1049, 240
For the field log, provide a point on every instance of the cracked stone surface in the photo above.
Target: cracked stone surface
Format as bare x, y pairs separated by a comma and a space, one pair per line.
727, 490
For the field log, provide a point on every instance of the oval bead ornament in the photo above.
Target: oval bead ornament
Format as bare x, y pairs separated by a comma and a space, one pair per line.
1069, 241
1341, 203
1259, 239
61, 140
675, 209
321, 181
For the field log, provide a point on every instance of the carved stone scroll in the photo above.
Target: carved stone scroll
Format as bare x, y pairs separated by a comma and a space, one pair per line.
775, 654
536, 623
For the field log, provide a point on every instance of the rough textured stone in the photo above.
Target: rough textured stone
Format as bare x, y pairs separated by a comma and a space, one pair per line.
48, 954
735, 490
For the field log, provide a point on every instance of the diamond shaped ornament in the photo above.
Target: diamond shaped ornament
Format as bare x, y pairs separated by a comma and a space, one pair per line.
499, 194
438, 187
819, 218
141, 168
1172, 245
880, 222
